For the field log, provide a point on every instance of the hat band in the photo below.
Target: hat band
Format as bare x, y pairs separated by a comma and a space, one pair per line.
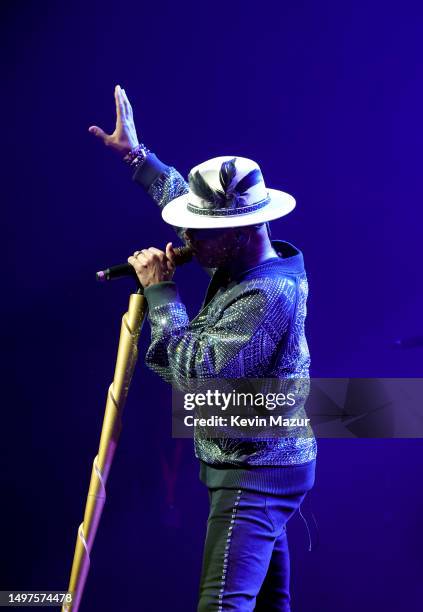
228, 212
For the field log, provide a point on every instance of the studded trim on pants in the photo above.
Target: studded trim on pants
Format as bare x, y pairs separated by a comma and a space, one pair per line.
227, 549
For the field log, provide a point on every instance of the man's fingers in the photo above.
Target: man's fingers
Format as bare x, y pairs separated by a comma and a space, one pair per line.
157, 252
126, 104
137, 262
98, 132
141, 255
146, 256
170, 253
119, 103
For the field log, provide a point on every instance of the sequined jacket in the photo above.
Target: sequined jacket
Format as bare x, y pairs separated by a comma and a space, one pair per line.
251, 327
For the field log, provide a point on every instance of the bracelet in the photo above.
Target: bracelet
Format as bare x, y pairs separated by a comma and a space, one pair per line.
136, 156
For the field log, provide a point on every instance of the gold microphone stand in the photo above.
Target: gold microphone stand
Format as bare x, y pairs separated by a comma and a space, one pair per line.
132, 322
130, 330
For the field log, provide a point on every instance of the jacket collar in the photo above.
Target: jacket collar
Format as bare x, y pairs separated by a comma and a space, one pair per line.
290, 260
290, 257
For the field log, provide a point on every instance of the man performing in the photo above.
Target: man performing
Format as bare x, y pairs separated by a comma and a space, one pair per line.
251, 325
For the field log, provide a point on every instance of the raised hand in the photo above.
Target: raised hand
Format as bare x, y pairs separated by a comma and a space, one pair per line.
124, 138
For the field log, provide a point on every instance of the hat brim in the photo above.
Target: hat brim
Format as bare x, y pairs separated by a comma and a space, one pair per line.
176, 213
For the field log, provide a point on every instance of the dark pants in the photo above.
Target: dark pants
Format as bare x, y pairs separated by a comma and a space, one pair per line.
246, 556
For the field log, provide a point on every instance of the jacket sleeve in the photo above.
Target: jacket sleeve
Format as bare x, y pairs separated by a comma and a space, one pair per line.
238, 341
163, 183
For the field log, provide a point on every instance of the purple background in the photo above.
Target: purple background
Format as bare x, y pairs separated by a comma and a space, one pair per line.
327, 97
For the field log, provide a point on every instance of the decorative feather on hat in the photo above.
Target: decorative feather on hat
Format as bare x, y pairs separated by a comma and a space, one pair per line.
230, 196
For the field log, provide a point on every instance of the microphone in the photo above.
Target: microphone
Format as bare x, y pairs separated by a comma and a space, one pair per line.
183, 255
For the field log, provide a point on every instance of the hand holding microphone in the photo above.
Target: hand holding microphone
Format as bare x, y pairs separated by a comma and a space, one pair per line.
153, 266
150, 266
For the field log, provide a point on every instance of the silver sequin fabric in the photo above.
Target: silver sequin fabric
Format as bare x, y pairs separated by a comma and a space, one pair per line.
252, 328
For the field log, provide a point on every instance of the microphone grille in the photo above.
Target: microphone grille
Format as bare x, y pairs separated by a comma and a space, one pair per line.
183, 255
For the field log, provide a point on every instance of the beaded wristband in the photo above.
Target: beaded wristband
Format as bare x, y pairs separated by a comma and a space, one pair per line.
136, 156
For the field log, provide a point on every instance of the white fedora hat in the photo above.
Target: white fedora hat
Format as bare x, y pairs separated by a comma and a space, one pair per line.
227, 192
